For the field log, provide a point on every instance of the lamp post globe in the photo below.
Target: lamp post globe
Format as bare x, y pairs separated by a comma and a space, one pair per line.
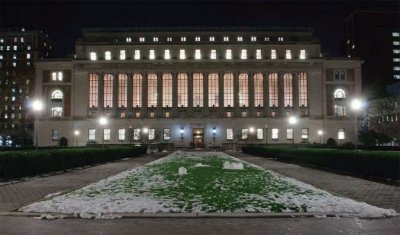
356, 104
37, 107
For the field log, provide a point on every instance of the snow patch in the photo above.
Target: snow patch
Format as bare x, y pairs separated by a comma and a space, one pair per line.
233, 165
201, 165
182, 171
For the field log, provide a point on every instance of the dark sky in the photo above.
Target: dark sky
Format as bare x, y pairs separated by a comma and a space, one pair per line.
64, 19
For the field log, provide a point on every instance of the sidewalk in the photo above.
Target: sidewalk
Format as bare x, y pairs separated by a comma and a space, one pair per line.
374, 193
15, 195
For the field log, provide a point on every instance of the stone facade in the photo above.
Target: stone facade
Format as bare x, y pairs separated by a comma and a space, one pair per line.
98, 54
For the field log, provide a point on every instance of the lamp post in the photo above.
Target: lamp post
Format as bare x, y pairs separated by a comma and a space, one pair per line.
214, 132
292, 121
103, 121
320, 134
146, 139
182, 131
37, 107
356, 105
251, 132
76, 134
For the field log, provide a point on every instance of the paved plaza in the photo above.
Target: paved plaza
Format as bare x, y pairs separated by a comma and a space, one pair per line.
17, 194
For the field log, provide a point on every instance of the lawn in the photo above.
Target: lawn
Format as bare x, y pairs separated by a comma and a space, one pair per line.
201, 182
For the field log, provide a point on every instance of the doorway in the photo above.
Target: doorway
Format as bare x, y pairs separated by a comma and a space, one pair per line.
198, 138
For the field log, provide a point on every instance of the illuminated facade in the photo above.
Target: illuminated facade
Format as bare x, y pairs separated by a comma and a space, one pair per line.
197, 88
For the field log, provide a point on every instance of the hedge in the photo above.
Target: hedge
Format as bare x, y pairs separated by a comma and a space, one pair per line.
15, 164
377, 164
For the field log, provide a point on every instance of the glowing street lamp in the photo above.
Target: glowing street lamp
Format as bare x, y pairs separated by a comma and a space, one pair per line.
103, 121
214, 131
320, 134
37, 107
182, 131
356, 105
292, 121
147, 141
76, 135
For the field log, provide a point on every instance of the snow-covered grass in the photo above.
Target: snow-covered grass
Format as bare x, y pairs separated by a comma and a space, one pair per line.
201, 182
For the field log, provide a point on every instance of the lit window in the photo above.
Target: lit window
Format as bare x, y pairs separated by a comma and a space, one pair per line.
213, 90
183, 39
14, 64
22, 39
182, 54
137, 90
93, 55
260, 133
169, 39
197, 54
121, 134
212, 39
395, 34
339, 94
228, 54
8, 48
266, 39
228, 90
258, 54
240, 39
229, 134
14, 56
288, 90
258, 90
303, 90
275, 133
28, 56
15, 47
128, 39
137, 55
166, 134
302, 54
167, 90
122, 90
28, 48
92, 134
1, 40
1, 57
396, 51
197, 39
243, 90
152, 55
107, 134
339, 110
182, 90
152, 134
108, 91
396, 59
288, 54
167, 54
273, 54
341, 134
155, 39
152, 90
107, 55
141, 39
280, 39
245, 133
93, 90
396, 76
253, 38
55, 134
122, 54
136, 134
289, 134
198, 90
396, 68
243, 54
340, 74
213, 54
304, 133
226, 39
273, 89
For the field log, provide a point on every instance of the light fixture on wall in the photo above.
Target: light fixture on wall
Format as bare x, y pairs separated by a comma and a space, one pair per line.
214, 131
182, 132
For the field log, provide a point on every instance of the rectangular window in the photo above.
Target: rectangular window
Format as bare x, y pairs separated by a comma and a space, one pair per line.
93, 90
226, 39
122, 55
229, 134
253, 38
108, 91
183, 39
275, 133
240, 39
288, 90
137, 55
166, 134
273, 89
107, 55
258, 90
182, 54
198, 90
302, 54
260, 133
92, 134
340, 74
243, 54
152, 55
243, 90
141, 39
273, 54
303, 90
228, 114
121, 134
55, 134
107, 134
228, 54
213, 90
122, 90
152, 134
197, 39
288, 54
167, 90
197, 54
137, 90
245, 134
341, 134
212, 39
289, 134
228, 90
167, 54
152, 90
213, 54
304, 133
182, 90
136, 134
258, 54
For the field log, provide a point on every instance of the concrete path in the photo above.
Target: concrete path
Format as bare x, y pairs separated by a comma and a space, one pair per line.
18, 194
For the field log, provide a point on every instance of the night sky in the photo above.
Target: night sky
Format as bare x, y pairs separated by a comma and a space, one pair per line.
63, 20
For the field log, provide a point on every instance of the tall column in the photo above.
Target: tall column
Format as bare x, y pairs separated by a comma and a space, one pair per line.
101, 92
205, 94
144, 94
295, 93
236, 94
252, 109
190, 90
221, 93
114, 110
174, 94
266, 94
281, 92
159, 94
129, 91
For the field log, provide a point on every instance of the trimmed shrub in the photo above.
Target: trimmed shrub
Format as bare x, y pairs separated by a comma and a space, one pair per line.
366, 163
15, 164
331, 142
63, 142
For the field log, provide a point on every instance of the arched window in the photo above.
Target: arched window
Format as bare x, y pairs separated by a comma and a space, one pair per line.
57, 104
339, 94
57, 95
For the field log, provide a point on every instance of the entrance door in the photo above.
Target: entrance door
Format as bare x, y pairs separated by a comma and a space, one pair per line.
198, 137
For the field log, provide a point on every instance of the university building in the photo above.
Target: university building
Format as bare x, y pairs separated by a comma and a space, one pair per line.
197, 88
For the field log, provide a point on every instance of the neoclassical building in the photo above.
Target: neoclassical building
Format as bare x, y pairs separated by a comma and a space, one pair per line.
197, 88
